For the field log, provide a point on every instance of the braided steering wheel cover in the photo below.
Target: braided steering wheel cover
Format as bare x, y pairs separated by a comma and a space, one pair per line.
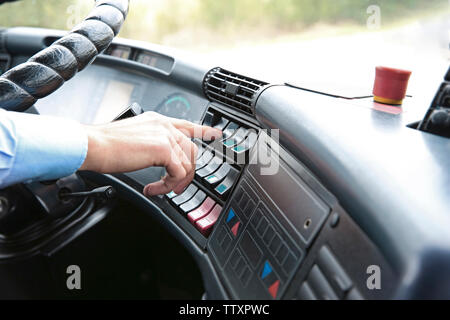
47, 70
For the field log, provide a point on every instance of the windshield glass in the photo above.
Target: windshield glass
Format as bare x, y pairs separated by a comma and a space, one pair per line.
313, 43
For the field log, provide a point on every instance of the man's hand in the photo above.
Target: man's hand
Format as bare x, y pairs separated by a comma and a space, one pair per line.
149, 139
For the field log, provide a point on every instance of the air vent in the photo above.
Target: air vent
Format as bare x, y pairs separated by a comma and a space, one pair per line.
232, 89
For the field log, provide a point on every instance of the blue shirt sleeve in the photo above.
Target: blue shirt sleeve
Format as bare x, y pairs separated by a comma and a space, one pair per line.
37, 148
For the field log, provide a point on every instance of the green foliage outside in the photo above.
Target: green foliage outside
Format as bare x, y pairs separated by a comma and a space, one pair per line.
178, 22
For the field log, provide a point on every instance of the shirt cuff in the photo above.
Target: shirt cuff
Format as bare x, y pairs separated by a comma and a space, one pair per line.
47, 147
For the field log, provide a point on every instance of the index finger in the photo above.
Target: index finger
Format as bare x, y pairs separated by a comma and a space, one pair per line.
193, 130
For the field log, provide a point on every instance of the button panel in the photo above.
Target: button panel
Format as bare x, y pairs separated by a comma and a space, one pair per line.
259, 240
327, 280
216, 174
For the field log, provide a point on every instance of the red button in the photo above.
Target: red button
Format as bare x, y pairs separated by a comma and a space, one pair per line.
235, 228
205, 225
273, 289
390, 85
201, 211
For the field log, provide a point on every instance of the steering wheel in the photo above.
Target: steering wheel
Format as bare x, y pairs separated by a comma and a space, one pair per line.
47, 70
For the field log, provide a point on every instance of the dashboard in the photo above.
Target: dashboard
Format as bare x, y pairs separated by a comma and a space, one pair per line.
303, 197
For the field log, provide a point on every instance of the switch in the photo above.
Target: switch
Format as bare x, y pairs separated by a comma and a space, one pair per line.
273, 289
209, 119
267, 269
228, 183
247, 144
219, 175
245, 198
320, 285
249, 209
221, 124
334, 271
270, 279
233, 222
275, 244
194, 202
305, 292
268, 236
282, 254
200, 149
231, 215
186, 195
235, 228
213, 165
251, 249
201, 211
230, 130
354, 295
206, 224
263, 225
204, 159
238, 137
171, 195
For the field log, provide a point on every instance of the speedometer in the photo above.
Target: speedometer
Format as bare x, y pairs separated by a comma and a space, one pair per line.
176, 105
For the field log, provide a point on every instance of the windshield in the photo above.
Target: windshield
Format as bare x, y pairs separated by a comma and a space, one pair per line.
313, 43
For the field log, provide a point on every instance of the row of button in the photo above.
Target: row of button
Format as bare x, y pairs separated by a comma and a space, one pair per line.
201, 211
327, 280
215, 173
273, 241
240, 267
237, 138
245, 201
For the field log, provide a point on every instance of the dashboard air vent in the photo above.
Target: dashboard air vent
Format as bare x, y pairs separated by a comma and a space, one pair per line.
232, 89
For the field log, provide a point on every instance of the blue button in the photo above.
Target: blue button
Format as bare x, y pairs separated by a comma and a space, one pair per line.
231, 215
239, 148
171, 195
221, 188
267, 270
229, 142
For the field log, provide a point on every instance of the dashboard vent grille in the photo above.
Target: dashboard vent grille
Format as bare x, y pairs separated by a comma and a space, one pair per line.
232, 89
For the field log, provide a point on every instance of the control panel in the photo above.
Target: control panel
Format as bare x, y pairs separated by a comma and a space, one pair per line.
268, 226
284, 236
219, 165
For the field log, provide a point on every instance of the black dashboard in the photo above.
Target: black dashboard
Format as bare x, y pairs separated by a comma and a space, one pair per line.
318, 191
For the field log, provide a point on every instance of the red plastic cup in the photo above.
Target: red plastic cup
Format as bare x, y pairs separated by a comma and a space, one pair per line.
390, 85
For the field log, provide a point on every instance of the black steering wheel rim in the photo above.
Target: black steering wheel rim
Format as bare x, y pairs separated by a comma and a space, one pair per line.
48, 69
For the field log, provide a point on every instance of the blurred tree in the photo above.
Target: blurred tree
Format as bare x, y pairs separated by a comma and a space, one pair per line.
158, 20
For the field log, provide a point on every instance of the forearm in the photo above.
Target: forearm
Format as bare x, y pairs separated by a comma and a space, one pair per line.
44, 148
39, 147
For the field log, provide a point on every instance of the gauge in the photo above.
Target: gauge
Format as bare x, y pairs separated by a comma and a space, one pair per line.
176, 106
